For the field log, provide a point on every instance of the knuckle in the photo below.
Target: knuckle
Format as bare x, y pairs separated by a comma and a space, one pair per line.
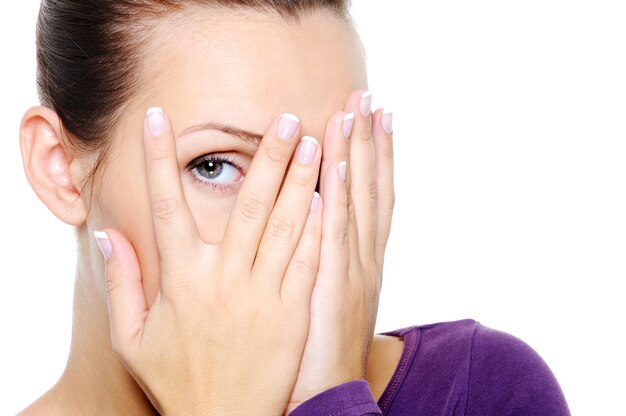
350, 206
252, 208
276, 154
299, 177
158, 156
342, 237
371, 191
178, 280
302, 266
339, 237
364, 132
164, 209
311, 231
111, 284
387, 151
280, 227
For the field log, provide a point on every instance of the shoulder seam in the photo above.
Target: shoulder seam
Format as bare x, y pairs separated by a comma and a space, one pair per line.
400, 331
469, 369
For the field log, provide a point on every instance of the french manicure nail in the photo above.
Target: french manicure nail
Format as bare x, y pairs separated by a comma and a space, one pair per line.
287, 126
387, 121
156, 121
348, 122
342, 170
307, 149
315, 202
104, 243
366, 103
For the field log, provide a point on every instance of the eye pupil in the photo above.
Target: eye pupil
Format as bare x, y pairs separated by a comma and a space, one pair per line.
212, 168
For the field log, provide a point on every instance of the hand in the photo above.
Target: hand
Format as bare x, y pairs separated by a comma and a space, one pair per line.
355, 229
226, 331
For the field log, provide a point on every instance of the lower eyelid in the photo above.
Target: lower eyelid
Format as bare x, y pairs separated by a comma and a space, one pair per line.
218, 187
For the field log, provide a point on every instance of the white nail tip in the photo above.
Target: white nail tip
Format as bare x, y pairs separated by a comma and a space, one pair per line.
341, 169
366, 94
102, 239
387, 111
348, 116
291, 117
154, 110
100, 235
314, 202
310, 139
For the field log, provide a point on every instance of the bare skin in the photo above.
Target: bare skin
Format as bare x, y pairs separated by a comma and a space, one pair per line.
197, 81
384, 358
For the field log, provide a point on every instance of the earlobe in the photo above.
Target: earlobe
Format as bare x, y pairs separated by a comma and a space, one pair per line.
47, 162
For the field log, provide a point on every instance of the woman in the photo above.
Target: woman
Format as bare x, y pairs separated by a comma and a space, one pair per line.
219, 295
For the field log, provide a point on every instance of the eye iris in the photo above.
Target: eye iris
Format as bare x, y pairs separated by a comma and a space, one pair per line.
210, 169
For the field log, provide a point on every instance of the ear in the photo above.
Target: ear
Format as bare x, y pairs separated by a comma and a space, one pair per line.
48, 165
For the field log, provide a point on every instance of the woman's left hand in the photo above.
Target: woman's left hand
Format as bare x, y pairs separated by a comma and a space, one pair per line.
355, 229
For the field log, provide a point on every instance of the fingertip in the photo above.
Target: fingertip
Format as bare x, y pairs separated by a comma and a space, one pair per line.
125, 295
383, 122
342, 170
317, 199
155, 121
287, 125
104, 243
121, 255
360, 103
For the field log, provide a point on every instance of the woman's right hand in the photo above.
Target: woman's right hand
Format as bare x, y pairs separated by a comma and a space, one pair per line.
226, 331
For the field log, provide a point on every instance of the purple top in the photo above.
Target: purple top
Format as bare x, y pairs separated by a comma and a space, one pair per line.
452, 369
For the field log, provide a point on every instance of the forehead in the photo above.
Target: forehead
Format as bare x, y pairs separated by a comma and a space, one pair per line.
245, 66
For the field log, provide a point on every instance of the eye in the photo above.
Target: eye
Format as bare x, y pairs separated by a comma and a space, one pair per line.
219, 172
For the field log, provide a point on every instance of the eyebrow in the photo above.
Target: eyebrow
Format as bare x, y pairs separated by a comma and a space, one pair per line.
244, 135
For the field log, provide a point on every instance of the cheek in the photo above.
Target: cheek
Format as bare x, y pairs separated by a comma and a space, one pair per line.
126, 208
210, 211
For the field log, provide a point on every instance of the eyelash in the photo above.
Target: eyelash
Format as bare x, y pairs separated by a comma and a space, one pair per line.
194, 164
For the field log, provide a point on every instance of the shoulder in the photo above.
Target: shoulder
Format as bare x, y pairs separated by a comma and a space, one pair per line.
506, 373
466, 365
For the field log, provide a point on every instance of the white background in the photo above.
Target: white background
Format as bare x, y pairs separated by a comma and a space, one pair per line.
510, 141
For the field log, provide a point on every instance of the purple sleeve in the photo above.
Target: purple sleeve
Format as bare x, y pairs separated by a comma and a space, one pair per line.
507, 377
353, 398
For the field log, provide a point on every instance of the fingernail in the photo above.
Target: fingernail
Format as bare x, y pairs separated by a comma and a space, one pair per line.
315, 201
287, 126
366, 103
156, 121
342, 170
348, 122
387, 121
307, 149
104, 243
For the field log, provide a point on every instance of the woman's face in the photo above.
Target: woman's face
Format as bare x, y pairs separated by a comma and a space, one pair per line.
238, 69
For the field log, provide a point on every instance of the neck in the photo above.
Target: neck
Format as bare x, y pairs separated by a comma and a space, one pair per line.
94, 382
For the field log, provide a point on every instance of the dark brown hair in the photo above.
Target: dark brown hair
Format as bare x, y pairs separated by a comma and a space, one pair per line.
88, 56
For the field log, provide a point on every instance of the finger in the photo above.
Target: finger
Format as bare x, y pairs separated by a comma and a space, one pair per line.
383, 134
362, 175
334, 259
286, 222
125, 296
175, 229
299, 279
336, 145
258, 192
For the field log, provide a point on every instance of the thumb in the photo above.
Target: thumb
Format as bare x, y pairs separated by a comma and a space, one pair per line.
125, 296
